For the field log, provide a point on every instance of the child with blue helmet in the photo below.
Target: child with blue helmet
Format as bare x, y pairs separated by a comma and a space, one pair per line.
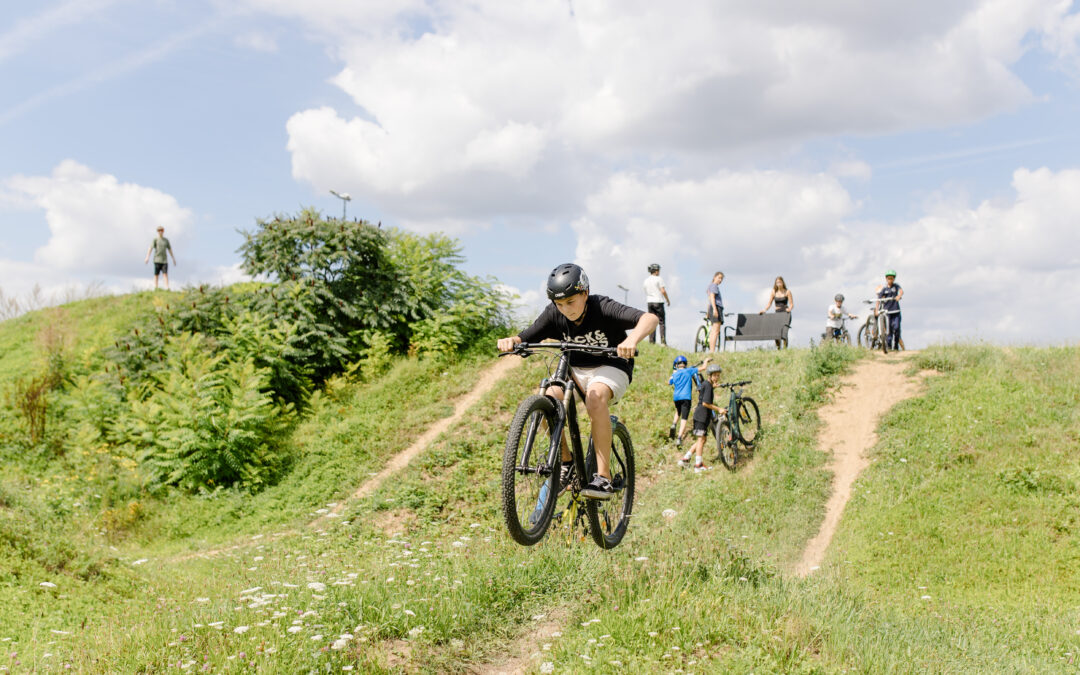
682, 381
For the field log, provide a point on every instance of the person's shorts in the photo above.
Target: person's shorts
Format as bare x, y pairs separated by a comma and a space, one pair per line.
700, 428
834, 332
715, 315
161, 267
614, 378
683, 408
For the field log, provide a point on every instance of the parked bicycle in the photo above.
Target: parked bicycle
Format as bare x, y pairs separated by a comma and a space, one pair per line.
531, 483
701, 339
737, 431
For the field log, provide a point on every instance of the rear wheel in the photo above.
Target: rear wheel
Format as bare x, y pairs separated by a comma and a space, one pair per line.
726, 447
529, 481
701, 340
749, 420
608, 518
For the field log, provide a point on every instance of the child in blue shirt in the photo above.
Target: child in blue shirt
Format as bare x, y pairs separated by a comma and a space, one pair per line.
682, 380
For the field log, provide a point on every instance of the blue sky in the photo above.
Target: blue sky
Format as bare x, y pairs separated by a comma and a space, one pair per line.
823, 144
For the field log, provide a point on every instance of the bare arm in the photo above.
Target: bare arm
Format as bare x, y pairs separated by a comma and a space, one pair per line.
790, 301
148, 251
768, 305
645, 326
664, 291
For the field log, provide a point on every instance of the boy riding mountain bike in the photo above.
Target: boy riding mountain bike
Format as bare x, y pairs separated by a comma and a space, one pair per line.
576, 316
834, 325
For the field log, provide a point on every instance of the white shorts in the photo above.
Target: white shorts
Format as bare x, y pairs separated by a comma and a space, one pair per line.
615, 378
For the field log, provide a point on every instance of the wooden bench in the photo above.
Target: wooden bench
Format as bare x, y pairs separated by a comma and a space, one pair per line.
758, 327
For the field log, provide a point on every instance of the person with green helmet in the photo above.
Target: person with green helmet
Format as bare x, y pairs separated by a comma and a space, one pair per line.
888, 301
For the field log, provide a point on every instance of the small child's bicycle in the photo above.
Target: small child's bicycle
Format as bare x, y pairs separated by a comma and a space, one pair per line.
531, 482
737, 431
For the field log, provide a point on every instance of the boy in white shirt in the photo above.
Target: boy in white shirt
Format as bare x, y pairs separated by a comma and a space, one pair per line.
834, 325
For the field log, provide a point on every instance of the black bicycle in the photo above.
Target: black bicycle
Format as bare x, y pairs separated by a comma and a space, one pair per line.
532, 461
737, 431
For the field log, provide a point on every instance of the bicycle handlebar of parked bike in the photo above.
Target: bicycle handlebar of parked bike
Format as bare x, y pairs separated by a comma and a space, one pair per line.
732, 385
524, 349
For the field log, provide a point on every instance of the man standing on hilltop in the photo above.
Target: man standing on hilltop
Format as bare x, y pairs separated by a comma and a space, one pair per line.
655, 296
159, 247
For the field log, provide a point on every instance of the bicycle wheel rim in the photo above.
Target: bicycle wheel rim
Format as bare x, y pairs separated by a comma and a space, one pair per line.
749, 420
608, 519
529, 484
726, 449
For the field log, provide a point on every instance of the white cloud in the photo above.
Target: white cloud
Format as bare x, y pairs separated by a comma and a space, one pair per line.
98, 225
257, 41
33, 29
493, 109
992, 271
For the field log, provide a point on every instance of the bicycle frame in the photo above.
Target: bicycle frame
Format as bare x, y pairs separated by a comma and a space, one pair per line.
565, 416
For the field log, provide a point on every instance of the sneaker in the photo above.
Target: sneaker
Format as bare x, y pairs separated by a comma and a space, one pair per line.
671, 433
683, 463
701, 467
678, 443
566, 474
599, 488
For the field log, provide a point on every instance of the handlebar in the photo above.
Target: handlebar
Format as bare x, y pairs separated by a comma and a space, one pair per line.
732, 385
524, 349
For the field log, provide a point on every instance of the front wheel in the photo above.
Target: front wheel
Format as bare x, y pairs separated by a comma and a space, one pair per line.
529, 480
609, 518
862, 338
701, 340
726, 447
883, 332
749, 420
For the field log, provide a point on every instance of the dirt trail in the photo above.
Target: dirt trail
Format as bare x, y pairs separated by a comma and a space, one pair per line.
399, 461
850, 423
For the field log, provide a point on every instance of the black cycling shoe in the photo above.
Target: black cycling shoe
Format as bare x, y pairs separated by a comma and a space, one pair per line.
599, 488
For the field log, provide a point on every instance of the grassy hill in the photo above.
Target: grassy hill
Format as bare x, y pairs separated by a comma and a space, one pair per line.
958, 552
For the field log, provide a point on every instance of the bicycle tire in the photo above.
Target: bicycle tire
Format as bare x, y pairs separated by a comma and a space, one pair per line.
527, 510
727, 450
883, 333
749, 420
862, 338
845, 337
701, 340
609, 518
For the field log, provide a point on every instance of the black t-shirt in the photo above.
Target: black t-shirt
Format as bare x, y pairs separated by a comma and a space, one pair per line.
705, 395
603, 324
888, 297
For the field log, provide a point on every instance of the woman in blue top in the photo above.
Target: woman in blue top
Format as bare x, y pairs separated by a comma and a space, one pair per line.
714, 309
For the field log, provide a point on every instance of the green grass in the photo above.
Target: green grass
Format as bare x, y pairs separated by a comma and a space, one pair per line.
423, 577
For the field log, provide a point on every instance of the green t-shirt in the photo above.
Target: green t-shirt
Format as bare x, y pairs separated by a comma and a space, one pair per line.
160, 246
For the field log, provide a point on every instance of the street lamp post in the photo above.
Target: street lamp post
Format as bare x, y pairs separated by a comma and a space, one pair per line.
626, 293
345, 199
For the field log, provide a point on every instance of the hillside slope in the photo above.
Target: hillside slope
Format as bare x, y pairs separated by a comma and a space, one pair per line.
420, 576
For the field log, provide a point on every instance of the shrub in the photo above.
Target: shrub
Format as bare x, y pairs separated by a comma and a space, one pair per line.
210, 422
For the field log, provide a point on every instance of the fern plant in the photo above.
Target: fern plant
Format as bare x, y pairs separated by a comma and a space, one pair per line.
210, 422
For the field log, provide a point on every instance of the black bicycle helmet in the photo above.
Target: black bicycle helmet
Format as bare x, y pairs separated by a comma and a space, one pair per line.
655, 267
839, 297
566, 280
